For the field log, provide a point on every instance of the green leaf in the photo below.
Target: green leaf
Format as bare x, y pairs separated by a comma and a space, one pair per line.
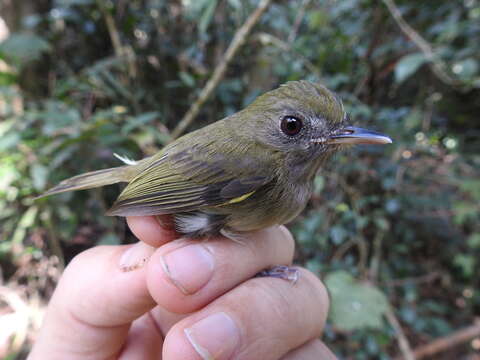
414, 119
138, 121
474, 241
355, 305
466, 262
6, 125
466, 69
408, 65
39, 174
9, 140
58, 116
23, 48
317, 19
464, 211
471, 186
318, 184
8, 174
338, 234
7, 78
26, 221
187, 78
207, 15
381, 223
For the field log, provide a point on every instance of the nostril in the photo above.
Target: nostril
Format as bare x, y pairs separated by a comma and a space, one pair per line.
346, 131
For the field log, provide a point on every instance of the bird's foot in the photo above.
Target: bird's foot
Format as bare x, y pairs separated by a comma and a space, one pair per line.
282, 272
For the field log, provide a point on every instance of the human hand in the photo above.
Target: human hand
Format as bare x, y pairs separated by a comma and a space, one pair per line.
191, 300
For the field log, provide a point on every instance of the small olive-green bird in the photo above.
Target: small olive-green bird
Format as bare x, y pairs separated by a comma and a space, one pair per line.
248, 171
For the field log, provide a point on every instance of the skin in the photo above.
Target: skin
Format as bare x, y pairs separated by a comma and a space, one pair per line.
101, 311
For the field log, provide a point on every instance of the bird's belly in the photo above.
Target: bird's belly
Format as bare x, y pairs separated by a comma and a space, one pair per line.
261, 210
276, 207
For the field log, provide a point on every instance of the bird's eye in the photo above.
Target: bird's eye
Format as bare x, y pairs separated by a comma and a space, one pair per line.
291, 125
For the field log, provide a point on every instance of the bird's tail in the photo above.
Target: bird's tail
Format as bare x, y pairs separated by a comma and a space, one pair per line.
92, 179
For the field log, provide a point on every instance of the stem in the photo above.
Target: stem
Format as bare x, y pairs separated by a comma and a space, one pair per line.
444, 343
403, 343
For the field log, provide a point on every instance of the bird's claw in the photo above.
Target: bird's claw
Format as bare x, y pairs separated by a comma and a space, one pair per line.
282, 272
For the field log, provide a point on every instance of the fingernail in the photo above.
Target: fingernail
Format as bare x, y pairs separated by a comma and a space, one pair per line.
215, 337
135, 256
189, 268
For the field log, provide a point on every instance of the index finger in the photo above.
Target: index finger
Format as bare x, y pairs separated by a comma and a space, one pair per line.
153, 230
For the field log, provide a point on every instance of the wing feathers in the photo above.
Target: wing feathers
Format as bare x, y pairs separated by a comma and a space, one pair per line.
180, 181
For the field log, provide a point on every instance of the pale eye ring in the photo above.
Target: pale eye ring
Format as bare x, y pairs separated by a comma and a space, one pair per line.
291, 125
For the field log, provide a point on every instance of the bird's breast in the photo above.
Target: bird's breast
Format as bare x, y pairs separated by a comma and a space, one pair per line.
273, 204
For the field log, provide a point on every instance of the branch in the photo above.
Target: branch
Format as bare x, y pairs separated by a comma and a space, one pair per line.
298, 21
422, 279
237, 41
376, 256
403, 343
444, 343
112, 28
438, 67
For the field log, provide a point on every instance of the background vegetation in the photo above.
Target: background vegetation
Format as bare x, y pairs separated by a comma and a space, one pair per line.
394, 231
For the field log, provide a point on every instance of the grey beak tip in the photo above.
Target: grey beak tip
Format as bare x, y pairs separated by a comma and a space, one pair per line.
387, 140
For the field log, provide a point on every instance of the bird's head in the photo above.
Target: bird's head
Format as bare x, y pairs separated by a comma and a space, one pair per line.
306, 122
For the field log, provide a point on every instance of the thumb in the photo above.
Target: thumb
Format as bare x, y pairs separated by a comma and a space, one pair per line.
95, 302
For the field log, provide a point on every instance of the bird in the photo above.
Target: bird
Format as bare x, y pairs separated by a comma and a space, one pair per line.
250, 170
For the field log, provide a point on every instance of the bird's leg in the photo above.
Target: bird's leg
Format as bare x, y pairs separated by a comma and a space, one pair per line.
281, 272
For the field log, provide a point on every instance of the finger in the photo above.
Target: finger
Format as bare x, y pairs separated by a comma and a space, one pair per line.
153, 230
94, 303
184, 276
264, 318
312, 350
165, 319
144, 340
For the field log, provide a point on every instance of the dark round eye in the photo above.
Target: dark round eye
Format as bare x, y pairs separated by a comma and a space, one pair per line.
291, 125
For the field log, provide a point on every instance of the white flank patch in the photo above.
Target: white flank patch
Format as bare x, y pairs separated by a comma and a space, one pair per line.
125, 159
191, 223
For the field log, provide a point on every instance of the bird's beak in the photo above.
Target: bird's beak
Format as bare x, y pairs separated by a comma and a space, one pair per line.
355, 135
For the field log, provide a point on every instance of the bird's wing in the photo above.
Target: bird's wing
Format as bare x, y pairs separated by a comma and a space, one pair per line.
182, 180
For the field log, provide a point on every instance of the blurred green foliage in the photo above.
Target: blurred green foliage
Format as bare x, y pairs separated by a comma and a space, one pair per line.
394, 226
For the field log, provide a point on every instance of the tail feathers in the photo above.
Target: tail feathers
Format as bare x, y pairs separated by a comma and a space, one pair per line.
91, 180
